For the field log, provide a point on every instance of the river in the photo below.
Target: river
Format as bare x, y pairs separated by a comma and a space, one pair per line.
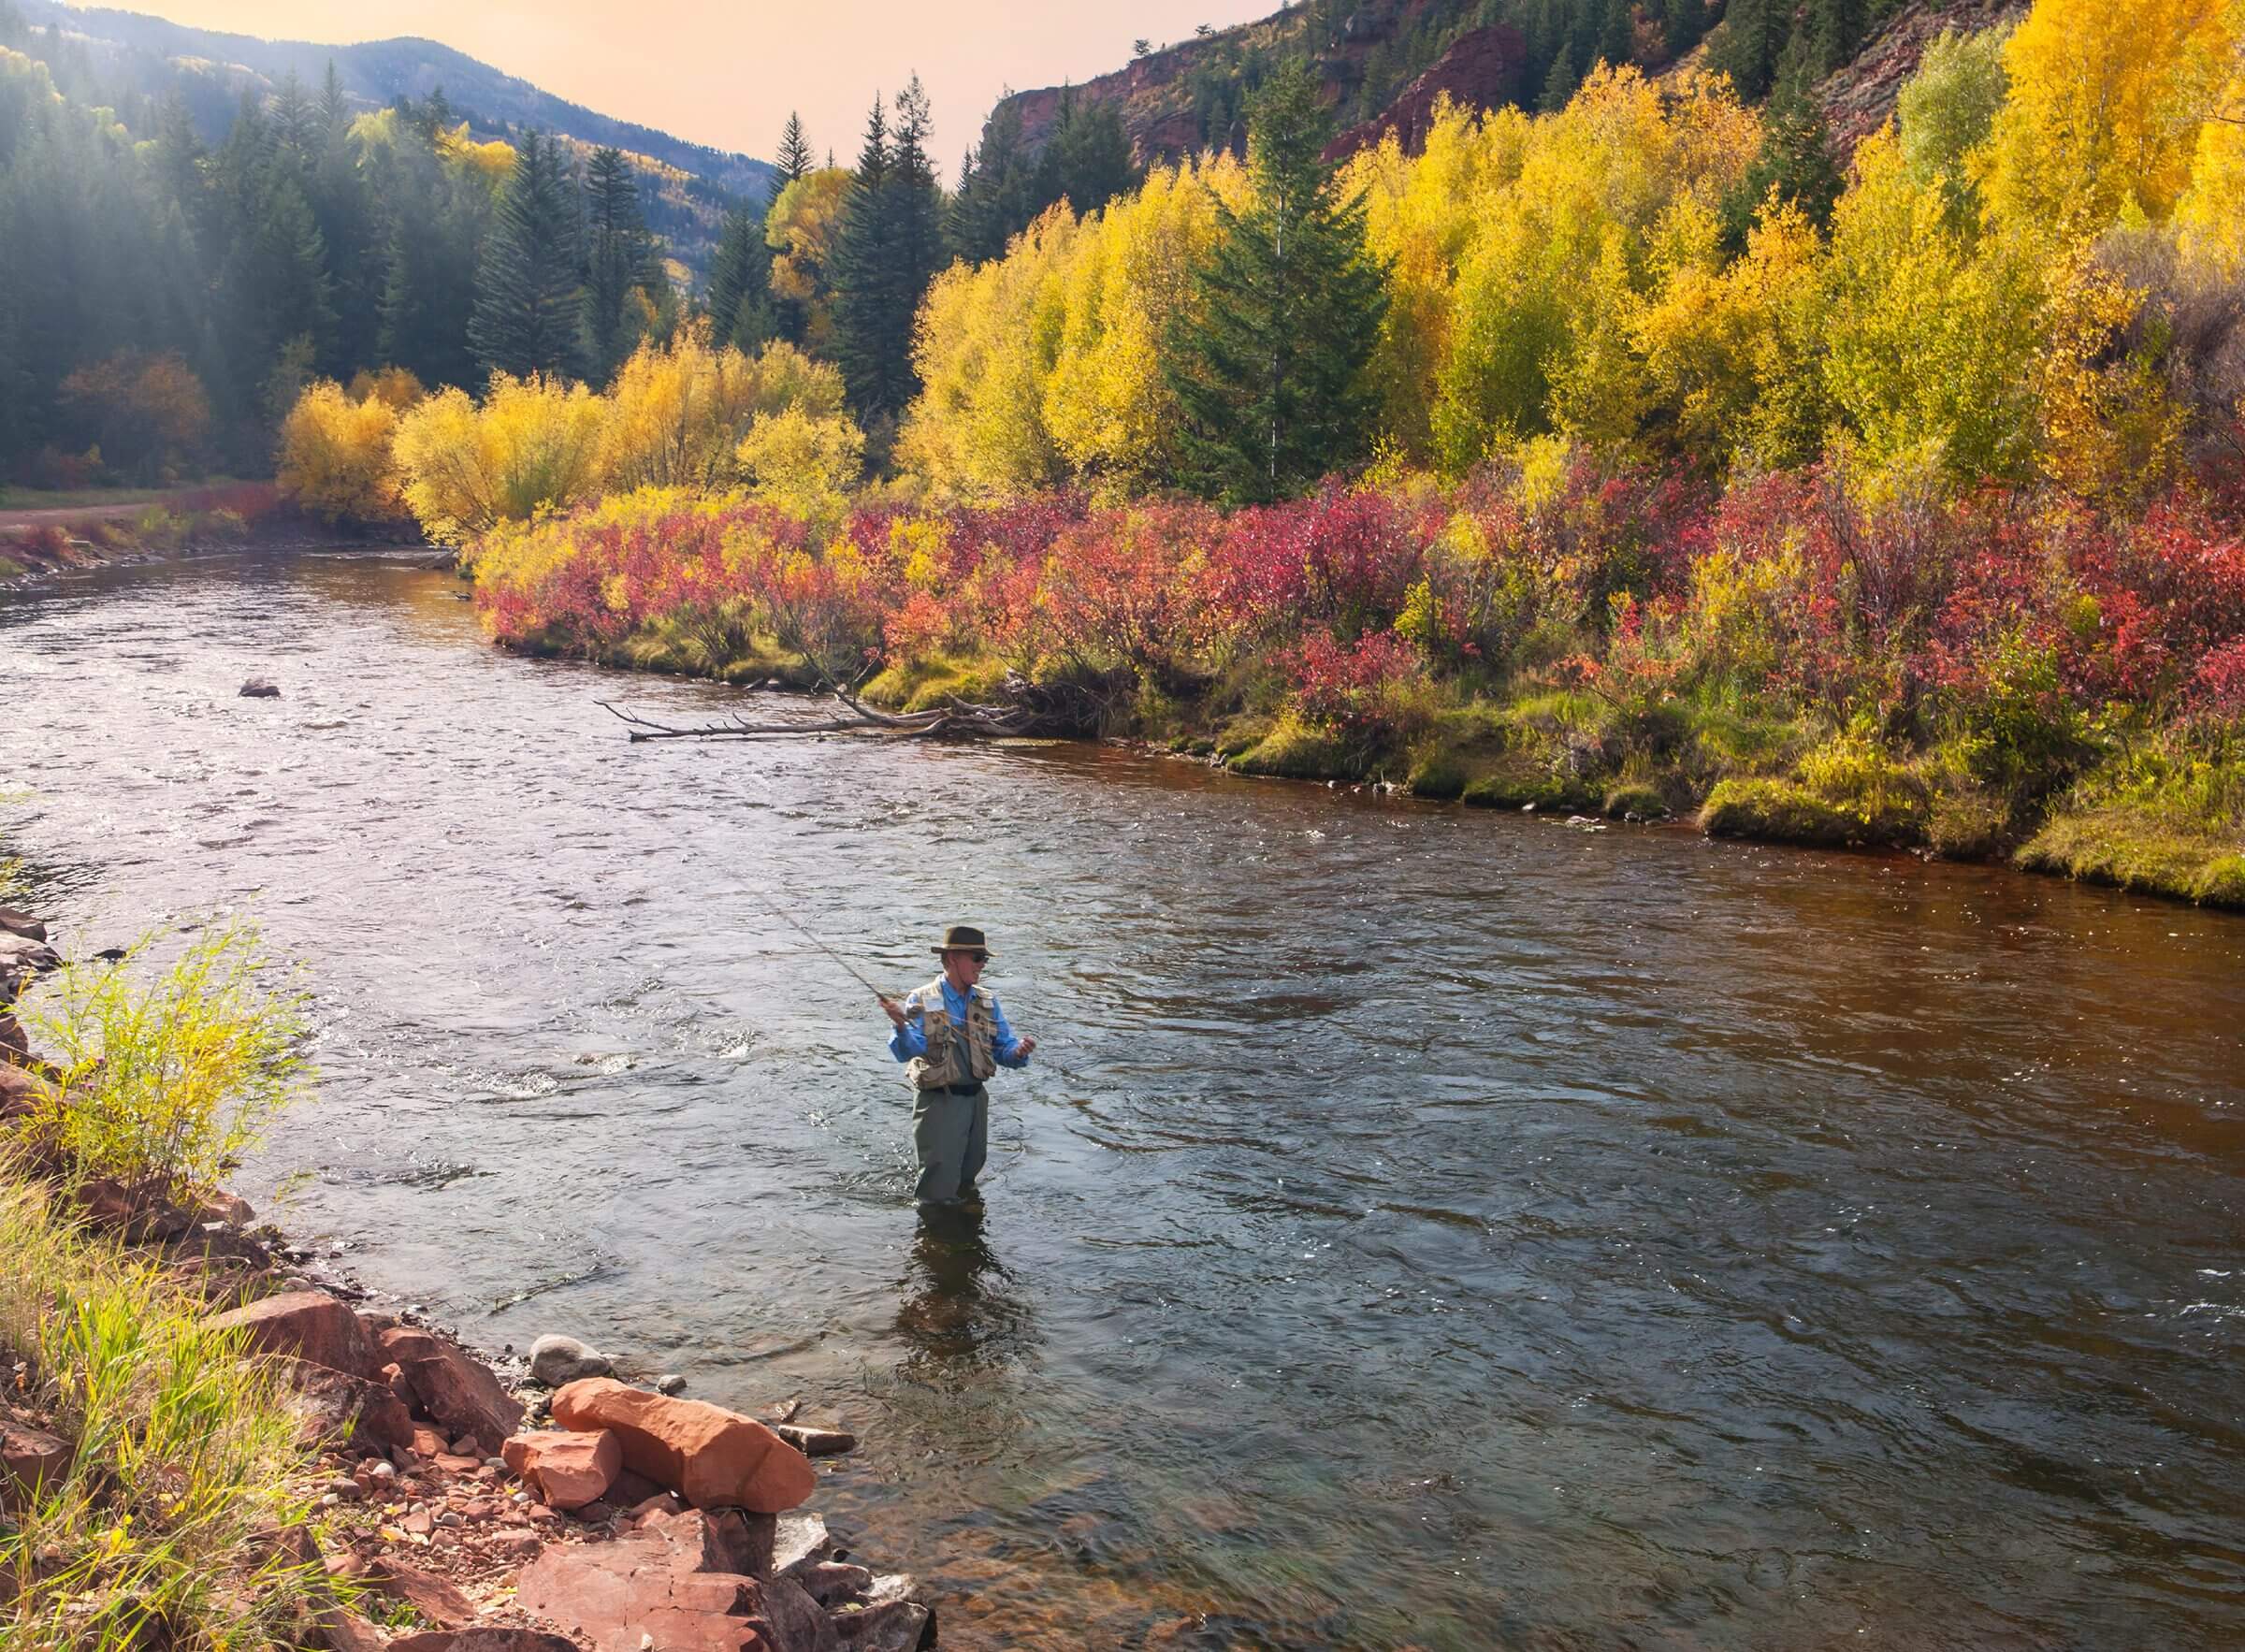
1421, 1227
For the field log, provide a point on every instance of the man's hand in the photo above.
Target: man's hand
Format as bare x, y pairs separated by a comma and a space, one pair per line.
894, 1011
1025, 1047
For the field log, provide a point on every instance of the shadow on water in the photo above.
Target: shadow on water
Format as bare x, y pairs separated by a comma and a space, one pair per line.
1419, 1227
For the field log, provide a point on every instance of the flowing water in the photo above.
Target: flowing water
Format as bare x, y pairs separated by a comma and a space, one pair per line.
1421, 1227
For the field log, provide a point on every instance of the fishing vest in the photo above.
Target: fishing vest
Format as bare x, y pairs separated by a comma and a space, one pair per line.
955, 1055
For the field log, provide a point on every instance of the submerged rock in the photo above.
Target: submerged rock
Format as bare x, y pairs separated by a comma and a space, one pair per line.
556, 1361
258, 688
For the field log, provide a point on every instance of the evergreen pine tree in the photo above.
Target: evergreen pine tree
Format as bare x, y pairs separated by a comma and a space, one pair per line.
527, 303
1559, 85
863, 269
619, 261
1754, 38
1617, 38
1269, 374
1795, 161
794, 153
740, 282
1094, 159
1836, 28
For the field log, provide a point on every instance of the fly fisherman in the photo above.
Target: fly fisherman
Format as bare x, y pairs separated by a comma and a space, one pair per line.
948, 1057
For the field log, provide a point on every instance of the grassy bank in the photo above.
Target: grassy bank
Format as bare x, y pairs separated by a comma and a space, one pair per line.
163, 1504
170, 1523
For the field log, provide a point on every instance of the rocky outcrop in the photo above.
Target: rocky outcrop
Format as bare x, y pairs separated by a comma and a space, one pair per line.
712, 1457
1861, 97
1482, 70
700, 1583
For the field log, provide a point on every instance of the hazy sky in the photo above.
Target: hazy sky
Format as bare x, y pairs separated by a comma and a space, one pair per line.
726, 74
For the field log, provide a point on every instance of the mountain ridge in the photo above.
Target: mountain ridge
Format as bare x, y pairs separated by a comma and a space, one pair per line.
374, 73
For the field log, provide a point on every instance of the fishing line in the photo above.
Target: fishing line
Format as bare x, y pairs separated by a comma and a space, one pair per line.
774, 908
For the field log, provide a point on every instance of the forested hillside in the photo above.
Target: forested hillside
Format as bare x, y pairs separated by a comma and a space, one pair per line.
128, 56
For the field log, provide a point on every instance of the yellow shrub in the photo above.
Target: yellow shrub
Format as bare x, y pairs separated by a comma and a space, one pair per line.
677, 413
336, 457
533, 444
805, 466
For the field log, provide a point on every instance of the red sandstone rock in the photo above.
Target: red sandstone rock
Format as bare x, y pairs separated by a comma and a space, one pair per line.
430, 1596
22, 924
346, 1631
568, 1471
713, 1457
815, 1441
305, 1325
426, 1442
483, 1637
350, 1409
666, 1581
29, 1459
19, 1090
453, 1386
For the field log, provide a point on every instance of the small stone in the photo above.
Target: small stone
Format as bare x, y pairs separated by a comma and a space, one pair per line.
382, 1472
464, 1446
499, 1463
345, 1489
541, 1514
417, 1523
519, 1545
258, 688
670, 1383
450, 1519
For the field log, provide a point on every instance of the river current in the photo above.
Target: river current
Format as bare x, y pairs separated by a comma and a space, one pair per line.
1419, 1227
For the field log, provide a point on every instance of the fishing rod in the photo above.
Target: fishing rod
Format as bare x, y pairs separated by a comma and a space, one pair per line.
793, 922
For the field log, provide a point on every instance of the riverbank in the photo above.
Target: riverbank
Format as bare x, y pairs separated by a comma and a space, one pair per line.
38, 543
209, 1437
2000, 676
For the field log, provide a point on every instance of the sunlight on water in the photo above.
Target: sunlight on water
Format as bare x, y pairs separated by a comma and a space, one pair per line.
1421, 1227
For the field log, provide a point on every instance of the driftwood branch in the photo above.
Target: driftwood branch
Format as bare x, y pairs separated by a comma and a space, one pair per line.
1029, 709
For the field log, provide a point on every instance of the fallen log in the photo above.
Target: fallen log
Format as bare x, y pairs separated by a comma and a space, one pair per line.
1032, 709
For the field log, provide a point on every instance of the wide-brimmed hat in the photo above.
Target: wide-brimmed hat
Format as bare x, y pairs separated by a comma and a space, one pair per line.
960, 938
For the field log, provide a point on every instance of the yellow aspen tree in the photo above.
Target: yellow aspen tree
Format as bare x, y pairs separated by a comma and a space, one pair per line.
2106, 99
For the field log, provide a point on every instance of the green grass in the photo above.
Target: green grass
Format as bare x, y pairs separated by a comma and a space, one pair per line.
927, 685
2167, 818
94, 498
164, 1530
1292, 749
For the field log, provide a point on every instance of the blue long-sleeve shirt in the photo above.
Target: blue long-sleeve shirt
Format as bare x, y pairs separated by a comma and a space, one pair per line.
911, 1039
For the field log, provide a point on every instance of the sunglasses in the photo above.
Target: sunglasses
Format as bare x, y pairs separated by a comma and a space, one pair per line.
980, 957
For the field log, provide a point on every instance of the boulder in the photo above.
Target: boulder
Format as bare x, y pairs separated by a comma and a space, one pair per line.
567, 1471
888, 1625
453, 1386
305, 1325
713, 1457
664, 1584
22, 924
351, 1409
258, 688
15, 1045
29, 1459
558, 1361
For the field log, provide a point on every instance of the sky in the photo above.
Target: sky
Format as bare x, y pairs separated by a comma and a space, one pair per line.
726, 74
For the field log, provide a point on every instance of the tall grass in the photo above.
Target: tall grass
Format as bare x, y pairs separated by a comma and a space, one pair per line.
170, 1526
167, 1076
